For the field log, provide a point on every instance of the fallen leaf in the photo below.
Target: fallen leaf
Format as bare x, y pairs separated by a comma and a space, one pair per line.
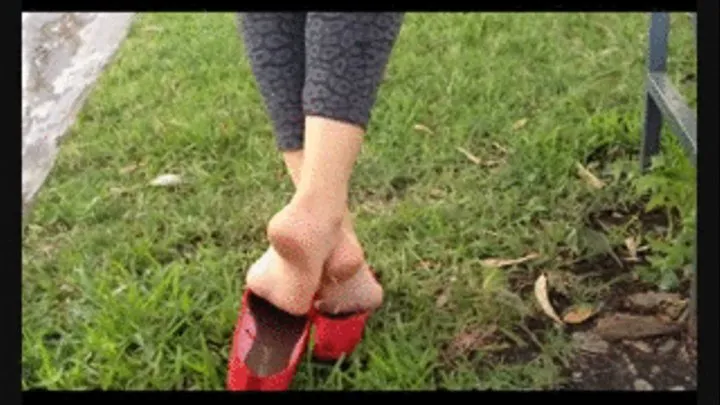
426, 264
590, 342
129, 169
541, 294
632, 327
493, 163
118, 290
508, 262
671, 304
589, 177
47, 249
166, 180
580, 313
668, 346
423, 128
472, 339
500, 147
499, 347
442, 299
639, 345
493, 279
519, 124
642, 385
119, 190
631, 244
469, 155
67, 288
650, 300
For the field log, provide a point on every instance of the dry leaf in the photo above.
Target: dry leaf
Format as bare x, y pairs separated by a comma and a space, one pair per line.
519, 124
631, 327
508, 262
493, 163
426, 264
500, 147
632, 246
442, 299
423, 128
469, 155
129, 169
119, 190
639, 345
472, 339
120, 289
166, 180
48, 249
589, 177
541, 294
590, 342
670, 304
580, 313
494, 279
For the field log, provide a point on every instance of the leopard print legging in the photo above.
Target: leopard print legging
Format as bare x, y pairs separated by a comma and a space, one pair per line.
318, 64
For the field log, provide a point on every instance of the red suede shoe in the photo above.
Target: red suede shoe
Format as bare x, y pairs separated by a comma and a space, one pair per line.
337, 336
267, 346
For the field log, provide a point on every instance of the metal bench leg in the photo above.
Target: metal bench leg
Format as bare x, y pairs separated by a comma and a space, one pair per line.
657, 62
692, 323
651, 132
692, 307
661, 98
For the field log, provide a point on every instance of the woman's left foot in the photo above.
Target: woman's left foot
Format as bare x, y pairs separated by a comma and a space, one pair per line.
360, 293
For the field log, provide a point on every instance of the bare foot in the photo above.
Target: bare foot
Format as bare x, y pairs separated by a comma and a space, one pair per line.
360, 293
303, 237
347, 284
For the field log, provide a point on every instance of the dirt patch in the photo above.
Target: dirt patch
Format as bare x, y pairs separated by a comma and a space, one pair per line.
651, 364
638, 340
635, 218
517, 345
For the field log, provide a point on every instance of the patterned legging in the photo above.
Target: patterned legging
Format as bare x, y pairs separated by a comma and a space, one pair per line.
318, 64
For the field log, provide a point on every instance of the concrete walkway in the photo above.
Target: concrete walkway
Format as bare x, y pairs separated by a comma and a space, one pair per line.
63, 54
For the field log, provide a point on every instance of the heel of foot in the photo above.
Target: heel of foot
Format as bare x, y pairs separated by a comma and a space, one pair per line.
287, 246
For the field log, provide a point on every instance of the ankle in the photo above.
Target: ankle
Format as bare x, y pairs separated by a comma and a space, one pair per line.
328, 209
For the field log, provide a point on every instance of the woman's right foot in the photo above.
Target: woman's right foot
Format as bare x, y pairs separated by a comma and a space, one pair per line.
349, 285
343, 307
360, 292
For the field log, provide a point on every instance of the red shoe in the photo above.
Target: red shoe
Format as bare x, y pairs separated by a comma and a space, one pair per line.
337, 336
264, 333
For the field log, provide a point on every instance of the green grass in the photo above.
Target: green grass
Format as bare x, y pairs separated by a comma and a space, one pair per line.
126, 286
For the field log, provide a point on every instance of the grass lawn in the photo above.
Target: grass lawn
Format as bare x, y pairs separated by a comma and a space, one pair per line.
128, 286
